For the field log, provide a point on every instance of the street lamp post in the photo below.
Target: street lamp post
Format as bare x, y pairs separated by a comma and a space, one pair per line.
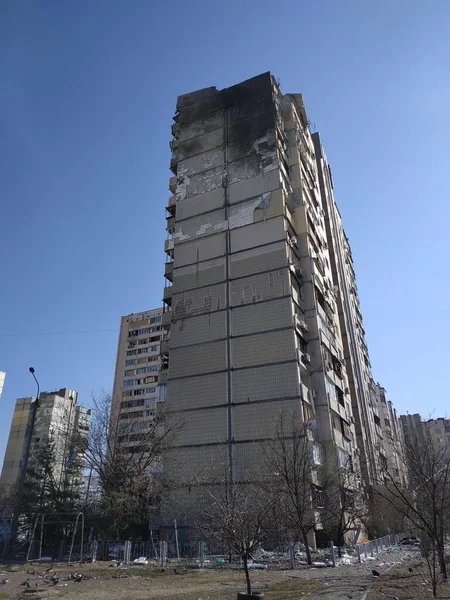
28, 441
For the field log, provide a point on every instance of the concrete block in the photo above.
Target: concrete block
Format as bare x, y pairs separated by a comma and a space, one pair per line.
194, 360
255, 186
265, 383
190, 207
253, 318
251, 236
200, 250
264, 348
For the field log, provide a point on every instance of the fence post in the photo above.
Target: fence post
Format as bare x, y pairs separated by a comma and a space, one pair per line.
163, 552
94, 551
177, 545
371, 549
333, 555
291, 556
358, 552
376, 546
201, 554
127, 552
365, 550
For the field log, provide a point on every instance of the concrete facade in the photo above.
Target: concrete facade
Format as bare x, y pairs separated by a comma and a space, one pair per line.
59, 419
439, 432
136, 391
413, 429
363, 390
251, 321
393, 438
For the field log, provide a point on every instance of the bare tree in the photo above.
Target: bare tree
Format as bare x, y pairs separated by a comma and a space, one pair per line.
382, 517
234, 515
426, 502
292, 460
345, 507
124, 454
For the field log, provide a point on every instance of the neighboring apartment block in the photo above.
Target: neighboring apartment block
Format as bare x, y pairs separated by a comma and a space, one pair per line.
417, 431
136, 390
252, 325
439, 432
59, 421
413, 429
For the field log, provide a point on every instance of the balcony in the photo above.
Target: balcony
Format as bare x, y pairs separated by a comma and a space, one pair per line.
168, 246
166, 319
162, 377
173, 185
174, 163
168, 272
317, 453
174, 144
164, 348
171, 206
167, 296
170, 222
175, 130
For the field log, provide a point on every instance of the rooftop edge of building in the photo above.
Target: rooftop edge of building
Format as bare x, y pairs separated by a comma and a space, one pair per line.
209, 100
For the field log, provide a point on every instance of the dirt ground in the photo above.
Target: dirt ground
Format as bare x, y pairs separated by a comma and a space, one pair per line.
102, 582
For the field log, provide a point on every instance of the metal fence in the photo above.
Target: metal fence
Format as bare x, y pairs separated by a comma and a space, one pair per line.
197, 554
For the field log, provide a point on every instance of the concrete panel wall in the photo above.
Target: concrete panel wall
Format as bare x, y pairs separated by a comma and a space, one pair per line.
194, 463
200, 144
190, 207
200, 226
264, 348
258, 259
256, 288
198, 329
265, 232
259, 421
198, 301
261, 317
204, 125
199, 184
208, 390
204, 427
205, 358
199, 275
248, 188
265, 383
201, 162
249, 459
200, 249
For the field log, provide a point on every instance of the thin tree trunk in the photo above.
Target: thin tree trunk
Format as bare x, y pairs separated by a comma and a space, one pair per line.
433, 576
307, 550
441, 552
441, 559
247, 574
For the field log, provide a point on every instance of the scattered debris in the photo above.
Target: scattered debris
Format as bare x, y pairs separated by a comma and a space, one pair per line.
257, 566
376, 573
142, 560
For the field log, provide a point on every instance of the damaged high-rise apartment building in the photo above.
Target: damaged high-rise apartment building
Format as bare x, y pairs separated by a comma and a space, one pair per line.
261, 311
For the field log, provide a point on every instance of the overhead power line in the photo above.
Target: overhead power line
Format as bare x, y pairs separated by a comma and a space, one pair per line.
57, 332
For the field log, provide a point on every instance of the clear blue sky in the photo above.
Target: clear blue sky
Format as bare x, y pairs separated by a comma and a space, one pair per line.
88, 89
